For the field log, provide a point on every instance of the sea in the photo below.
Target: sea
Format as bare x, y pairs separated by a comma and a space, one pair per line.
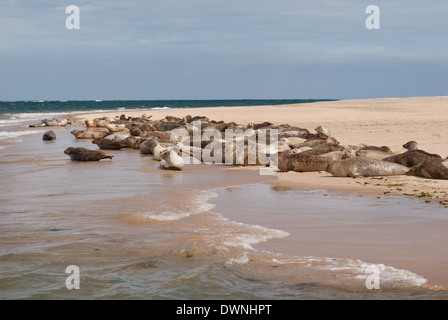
132, 231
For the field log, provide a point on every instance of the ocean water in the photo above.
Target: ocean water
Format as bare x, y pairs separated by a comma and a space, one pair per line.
206, 232
18, 114
33, 109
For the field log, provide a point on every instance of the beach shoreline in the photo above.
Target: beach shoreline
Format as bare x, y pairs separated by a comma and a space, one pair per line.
384, 121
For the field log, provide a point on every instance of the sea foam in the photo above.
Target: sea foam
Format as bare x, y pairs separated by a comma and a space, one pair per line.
199, 205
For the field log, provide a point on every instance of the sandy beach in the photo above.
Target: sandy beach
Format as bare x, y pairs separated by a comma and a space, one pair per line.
381, 122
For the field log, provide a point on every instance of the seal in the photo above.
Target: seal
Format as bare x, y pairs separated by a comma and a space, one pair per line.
132, 142
357, 167
430, 168
136, 132
300, 162
89, 134
303, 149
55, 122
49, 136
411, 158
83, 154
324, 130
292, 140
90, 124
101, 122
115, 127
382, 148
307, 143
170, 159
373, 154
411, 145
323, 148
151, 146
299, 133
104, 143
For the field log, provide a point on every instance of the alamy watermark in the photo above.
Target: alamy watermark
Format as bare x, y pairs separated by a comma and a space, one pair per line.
373, 280
73, 21
373, 20
73, 280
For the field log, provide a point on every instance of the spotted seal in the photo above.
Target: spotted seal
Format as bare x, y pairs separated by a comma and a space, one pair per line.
356, 167
83, 154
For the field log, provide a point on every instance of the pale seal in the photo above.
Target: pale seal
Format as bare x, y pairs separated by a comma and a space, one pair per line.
151, 146
89, 134
324, 130
55, 122
83, 154
356, 167
170, 159
373, 154
300, 162
375, 148
115, 127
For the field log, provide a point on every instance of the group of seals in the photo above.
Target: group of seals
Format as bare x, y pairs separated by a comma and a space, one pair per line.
299, 149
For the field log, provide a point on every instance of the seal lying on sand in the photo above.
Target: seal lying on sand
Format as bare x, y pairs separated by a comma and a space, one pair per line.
83, 154
374, 154
411, 145
290, 161
170, 159
430, 168
89, 134
115, 127
55, 122
151, 146
382, 148
324, 130
411, 158
357, 167
104, 143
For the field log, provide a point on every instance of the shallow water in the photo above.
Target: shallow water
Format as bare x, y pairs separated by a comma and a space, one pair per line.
207, 232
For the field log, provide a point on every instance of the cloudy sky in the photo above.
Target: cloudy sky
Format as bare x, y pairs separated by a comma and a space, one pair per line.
222, 49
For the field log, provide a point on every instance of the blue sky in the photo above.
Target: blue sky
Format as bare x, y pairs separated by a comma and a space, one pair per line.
227, 49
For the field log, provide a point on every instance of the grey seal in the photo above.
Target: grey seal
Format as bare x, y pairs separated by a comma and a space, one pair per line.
356, 167
300, 162
411, 145
411, 158
83, 154
49, 136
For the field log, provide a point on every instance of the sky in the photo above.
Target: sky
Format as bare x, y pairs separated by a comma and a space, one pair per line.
226, 49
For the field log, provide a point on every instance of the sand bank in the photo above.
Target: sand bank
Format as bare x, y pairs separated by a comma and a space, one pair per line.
387, 121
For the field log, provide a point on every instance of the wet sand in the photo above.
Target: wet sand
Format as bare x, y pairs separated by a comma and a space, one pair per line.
400, 232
